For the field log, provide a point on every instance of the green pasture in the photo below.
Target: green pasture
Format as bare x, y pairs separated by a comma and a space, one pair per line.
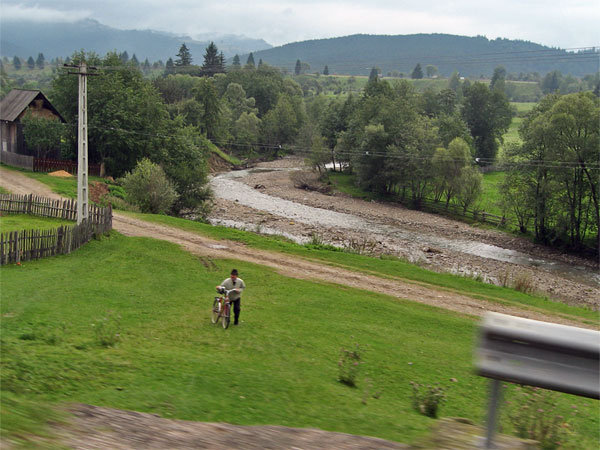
18, 222
278, 367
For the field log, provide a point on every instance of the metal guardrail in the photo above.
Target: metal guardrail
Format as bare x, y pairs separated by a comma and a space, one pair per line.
546, 355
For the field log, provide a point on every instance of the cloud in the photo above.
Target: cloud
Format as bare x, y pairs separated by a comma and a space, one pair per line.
41, 14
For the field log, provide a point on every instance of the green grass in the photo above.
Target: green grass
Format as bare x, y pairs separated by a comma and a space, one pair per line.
18, 222
490, 199
278, 367
4, 190
229, 158
523, 107
386, 266
67, 187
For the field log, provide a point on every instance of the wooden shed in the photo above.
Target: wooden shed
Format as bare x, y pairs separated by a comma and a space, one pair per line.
12, 109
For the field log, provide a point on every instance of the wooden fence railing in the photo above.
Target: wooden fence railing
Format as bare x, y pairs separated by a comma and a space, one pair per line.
454, 210
50, 165
25, 245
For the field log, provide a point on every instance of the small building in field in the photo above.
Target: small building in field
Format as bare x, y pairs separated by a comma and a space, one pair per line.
12, 109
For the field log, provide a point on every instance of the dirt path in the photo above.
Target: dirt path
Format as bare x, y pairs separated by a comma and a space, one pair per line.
303, 268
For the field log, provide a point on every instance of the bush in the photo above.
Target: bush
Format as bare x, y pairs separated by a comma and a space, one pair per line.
523, 282
349, 365
309, 181
533, 414
108, 330
427, 399
148, 187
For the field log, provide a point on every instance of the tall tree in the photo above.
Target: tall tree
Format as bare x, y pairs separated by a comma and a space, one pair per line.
40, 61
250, 60
169, 67
17, 63
326, 70
236, 62
213, 62
417, 72
30, 63
124, 56
298, 67
498, 79
431, 70
184, 57
374, 75
134, 61
488, 115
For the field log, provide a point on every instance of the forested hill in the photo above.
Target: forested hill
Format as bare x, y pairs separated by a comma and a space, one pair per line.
471, 56
24, 39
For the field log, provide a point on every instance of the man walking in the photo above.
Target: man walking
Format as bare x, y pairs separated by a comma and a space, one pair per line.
237, 286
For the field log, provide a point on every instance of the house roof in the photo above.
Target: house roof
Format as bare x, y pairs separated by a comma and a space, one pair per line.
17, 100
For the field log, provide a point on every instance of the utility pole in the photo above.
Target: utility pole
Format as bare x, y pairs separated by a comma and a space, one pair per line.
82, 144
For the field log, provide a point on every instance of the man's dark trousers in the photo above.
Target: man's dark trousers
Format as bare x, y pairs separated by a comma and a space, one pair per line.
236, 310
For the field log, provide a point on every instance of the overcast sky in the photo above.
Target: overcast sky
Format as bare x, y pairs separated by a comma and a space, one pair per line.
559, 23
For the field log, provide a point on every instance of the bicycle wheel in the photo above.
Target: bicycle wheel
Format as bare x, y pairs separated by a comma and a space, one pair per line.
226, 315
216, 311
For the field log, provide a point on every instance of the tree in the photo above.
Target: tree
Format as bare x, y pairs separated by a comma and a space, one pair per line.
469, 186
134, 61
250, 61
498, 79
447, 165
42, 134
326, 70
124, 56
40, 61
417, 72
298, 68
148, 187
211, 121
260, 62
551, 82
184, 57
488, 116
17, 63
30, 63
169, 67
431, 70
213, 61
236, 63
373, 75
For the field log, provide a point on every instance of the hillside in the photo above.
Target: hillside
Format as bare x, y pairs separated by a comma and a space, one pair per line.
26, 39
471, 56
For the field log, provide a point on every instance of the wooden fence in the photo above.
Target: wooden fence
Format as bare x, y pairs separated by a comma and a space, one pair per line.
454, 210
16, 160
51, 165
26, 245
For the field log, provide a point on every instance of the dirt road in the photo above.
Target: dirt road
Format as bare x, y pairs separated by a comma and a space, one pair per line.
303, 268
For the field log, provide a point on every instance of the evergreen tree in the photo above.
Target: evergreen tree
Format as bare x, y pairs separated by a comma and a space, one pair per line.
30, 63
236, 62
260, 62
417, 72
298, 68
374, 75
184, 57
134, 61
250, 61
17, 63
40, 61
326, 70
170, 67
498, 79
431, 70
146, 66
213, 62
124, 56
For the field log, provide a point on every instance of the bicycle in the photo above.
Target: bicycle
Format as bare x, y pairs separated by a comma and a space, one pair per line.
221, 308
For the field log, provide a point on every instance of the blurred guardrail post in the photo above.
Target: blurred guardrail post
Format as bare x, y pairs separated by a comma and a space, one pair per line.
546, 355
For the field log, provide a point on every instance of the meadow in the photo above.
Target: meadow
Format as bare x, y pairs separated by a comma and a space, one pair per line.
123, 334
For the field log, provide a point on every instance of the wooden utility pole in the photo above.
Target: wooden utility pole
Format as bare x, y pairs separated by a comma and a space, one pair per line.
82, 144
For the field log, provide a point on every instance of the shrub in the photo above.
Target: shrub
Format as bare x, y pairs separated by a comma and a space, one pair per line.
524, 282
309, 181
349, 364
117, 191
148, 187
427, 399
532, 414
108, 330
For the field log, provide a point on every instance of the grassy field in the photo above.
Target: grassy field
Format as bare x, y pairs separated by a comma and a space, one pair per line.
278, 367
387, 267
17, 222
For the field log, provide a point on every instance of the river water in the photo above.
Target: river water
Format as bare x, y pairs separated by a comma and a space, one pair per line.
228, 186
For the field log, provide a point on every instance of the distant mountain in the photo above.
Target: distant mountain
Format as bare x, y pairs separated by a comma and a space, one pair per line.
26, 39
471, 56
